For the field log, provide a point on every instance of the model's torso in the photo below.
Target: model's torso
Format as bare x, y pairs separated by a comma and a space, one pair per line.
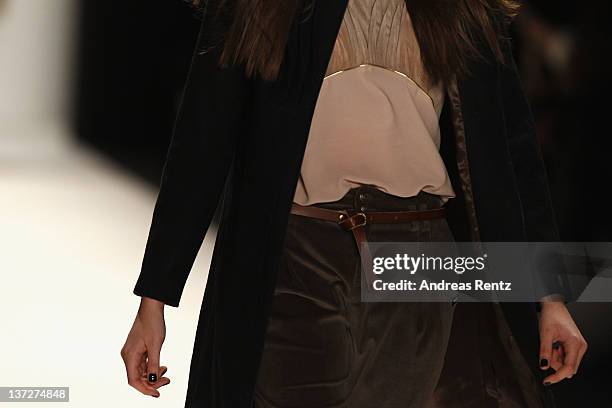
376, 118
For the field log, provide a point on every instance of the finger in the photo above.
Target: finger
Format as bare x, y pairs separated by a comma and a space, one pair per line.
143, 385
161, 382
546, 347
572, 356
162, 371
561, 374
581, 351
143, 366
557, 359
153, 352
132, 361
568, 368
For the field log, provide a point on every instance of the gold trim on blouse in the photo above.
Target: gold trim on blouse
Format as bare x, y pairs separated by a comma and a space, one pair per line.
388, 69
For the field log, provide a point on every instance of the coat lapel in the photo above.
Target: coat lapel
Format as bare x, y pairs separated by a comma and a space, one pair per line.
328, 16
461, 155
310, 45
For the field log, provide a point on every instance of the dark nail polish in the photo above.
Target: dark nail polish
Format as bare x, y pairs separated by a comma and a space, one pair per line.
543, 362
152, 377
547, 383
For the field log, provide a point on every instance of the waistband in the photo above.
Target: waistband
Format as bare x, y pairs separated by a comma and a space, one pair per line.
370, 198
365, 204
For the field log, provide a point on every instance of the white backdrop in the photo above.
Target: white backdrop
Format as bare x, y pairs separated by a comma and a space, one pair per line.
36, 44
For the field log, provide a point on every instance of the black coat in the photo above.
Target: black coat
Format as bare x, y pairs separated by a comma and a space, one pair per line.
240, 142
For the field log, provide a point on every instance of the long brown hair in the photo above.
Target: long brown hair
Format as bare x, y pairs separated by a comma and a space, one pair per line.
448, 32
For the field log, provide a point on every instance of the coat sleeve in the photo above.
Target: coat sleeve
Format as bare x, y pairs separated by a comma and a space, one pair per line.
526, 155
531, 178
198, 159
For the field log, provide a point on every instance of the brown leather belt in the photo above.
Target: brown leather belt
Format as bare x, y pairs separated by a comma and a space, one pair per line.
354, 220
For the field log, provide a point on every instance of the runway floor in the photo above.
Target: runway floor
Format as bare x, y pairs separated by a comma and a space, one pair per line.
73, 227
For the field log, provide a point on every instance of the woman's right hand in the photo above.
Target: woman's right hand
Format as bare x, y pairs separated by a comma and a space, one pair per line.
142, 348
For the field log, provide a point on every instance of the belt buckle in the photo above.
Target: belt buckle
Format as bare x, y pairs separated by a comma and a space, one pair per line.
354, 225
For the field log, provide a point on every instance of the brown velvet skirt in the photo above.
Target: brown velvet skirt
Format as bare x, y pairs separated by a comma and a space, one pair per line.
325, 348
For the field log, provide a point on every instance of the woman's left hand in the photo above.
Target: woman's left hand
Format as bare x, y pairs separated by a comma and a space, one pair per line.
561, 343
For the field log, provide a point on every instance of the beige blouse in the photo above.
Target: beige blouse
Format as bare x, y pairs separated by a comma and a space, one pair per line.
376, 120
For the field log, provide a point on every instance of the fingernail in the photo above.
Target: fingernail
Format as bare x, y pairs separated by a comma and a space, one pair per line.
543, 362
152, 377
547, 383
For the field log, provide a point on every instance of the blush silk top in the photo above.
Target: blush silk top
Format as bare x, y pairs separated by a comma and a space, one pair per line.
376, 119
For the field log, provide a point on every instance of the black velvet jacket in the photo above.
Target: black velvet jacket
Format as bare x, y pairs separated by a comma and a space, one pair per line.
239, 142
